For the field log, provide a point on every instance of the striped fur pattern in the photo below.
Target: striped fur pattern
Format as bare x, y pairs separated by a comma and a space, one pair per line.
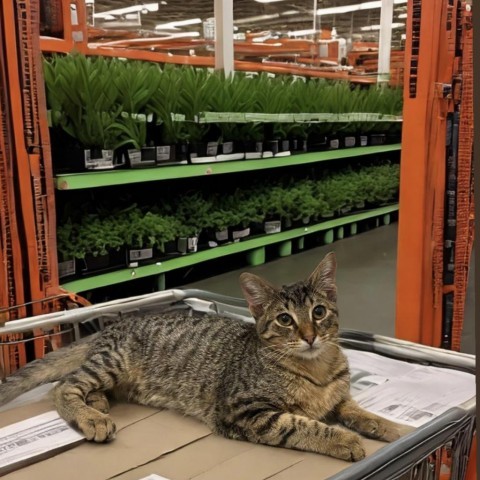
283, 381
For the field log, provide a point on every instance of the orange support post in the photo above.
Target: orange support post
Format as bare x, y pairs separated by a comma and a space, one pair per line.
430, 60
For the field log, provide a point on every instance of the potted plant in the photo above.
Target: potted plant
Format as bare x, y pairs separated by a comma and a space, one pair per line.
97, 239
132, 141
67, 248
197, 89
164, 103
85, 104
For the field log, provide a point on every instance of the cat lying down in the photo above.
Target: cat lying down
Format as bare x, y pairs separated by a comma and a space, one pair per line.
283, 381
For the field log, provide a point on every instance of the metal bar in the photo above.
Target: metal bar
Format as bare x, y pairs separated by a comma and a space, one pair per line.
224, 36
385, 41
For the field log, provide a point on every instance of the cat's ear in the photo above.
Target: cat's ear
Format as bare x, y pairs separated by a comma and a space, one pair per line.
257, 292
323, 277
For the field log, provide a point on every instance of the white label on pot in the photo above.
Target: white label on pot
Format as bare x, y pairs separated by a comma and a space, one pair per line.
227, 147
105, 162
334, 143
192, 243
212, 244
140, 254
363, 140
135, 156
237, 234
222, 235
107, 155
212, 148
349, 141
273, 226
66, 268
163, 153
253, 155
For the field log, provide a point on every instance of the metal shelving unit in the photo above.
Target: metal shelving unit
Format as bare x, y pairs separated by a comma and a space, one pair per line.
74, 181
254, 247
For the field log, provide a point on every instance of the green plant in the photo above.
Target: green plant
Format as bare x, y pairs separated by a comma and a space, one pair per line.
165, 104
66, 240
136, 82
96, 236
83, 98
130, 130
198, 88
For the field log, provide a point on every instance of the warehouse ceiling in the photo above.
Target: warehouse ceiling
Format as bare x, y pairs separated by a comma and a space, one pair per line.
279, 17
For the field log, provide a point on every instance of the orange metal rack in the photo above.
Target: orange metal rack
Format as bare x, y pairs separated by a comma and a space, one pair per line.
436, 82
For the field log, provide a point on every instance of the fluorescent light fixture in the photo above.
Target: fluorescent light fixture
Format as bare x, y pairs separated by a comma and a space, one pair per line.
256, 18
289, 12
145, 8
402, 15
377, 27
179, 23
354, 8
301, 33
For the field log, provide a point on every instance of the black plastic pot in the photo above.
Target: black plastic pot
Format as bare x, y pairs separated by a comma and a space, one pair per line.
202, 152
253, 150
233, 150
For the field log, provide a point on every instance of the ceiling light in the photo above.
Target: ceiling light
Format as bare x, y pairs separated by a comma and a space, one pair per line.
256, 18
179, 23
149, 7
402, 15
377, 27
354, 8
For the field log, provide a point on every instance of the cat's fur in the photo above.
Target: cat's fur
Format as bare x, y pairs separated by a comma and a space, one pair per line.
279, 382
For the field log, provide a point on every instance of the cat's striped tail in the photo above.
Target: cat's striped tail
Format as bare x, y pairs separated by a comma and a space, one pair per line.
51, 368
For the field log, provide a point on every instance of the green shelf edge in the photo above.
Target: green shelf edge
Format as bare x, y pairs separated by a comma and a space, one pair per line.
127, 274
75, 181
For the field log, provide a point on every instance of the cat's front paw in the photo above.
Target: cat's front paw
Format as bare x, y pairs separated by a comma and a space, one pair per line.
98, 401
96, 426
380, 429
348, 446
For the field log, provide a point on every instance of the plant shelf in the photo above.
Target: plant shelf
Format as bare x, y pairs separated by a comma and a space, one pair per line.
127, 274
75, 181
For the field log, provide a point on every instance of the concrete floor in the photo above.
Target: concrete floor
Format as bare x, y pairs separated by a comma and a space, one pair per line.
365, 280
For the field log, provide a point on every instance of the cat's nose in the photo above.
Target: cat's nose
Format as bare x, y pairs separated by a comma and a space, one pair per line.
310, 339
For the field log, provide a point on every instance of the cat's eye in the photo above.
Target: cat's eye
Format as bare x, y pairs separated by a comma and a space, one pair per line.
285, 320
319, 312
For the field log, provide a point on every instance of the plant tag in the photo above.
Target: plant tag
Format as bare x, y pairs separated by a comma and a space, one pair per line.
192, 244
222, 235
363, 140
140, 254
349, 141
134, 155
66, 268
238, 234
212, 148
163, 153
105, 161
334, 143
227, 147
273, 226
285, 145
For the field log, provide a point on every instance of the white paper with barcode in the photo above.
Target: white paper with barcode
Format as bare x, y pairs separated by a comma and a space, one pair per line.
35, 436
406, 392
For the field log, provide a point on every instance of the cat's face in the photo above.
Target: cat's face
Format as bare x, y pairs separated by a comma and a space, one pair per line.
300, 319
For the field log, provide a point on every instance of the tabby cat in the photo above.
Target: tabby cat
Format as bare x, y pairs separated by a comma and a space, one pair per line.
282, 381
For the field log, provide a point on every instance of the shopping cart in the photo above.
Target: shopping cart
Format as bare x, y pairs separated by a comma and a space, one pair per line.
438, 449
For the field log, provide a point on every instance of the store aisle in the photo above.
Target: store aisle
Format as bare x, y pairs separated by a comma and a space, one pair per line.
365, 279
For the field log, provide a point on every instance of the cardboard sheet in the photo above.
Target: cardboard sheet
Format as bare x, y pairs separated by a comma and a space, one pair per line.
161, 442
